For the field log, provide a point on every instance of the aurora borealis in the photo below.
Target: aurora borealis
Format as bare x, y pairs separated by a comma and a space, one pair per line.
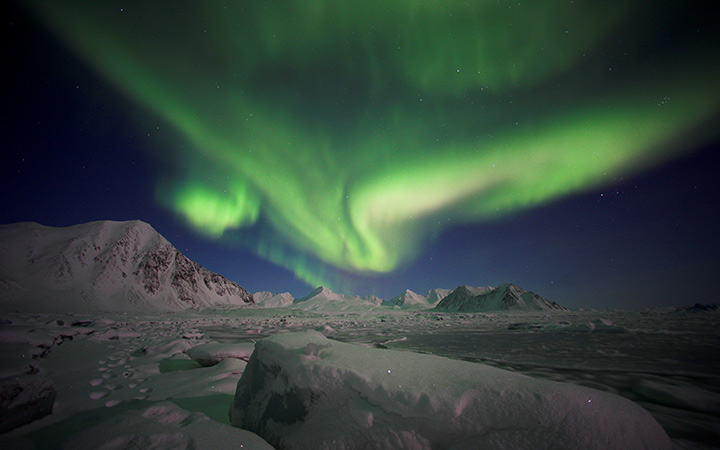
342, 137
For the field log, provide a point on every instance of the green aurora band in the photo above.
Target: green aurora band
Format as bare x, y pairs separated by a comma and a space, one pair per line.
331, 135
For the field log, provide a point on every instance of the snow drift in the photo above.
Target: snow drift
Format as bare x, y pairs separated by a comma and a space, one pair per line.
304, 391
163, 426
104, 266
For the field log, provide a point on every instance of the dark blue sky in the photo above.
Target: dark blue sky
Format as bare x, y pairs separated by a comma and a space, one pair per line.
77, 149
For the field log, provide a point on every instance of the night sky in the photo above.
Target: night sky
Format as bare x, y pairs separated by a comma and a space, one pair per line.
569, 147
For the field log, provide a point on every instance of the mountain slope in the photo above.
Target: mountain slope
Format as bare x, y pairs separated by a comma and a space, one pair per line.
324, 299
266, 299
506, 297
434, 296
104, 266
409, 298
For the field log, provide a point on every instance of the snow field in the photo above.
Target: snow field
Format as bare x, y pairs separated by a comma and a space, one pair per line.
109, 369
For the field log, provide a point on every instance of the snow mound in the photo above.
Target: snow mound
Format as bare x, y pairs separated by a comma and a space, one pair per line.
212, 353
164, 426
24, 399
304, 391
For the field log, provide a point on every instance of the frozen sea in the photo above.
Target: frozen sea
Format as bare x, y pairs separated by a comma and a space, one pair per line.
104, 366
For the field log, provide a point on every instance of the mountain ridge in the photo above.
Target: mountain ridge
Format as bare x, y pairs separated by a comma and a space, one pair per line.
506, 297
105, 266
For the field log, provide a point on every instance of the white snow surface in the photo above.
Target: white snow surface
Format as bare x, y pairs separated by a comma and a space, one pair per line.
104, 266
304, 391
212, 353
164, 426
109, 369
23, 399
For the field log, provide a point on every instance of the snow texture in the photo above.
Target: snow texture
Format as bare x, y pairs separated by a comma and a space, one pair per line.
107, 364
24, 399
304, 391
164, 426
104, 266
212, 353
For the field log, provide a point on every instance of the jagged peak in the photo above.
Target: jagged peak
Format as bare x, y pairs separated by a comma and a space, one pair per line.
321, 290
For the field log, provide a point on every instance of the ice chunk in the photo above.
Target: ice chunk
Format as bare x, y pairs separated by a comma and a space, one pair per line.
24, 399
303, 391
595, 326
212, 353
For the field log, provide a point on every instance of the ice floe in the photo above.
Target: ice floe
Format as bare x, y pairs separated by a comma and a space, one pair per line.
302, 390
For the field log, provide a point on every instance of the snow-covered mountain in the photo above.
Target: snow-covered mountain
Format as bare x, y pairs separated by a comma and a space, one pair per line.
434, 296
506, 297
409, 298
104, 266
324, 299
267, 299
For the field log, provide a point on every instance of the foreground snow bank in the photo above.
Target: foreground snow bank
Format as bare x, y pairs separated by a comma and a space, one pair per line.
302, 390
164, 426
24, 399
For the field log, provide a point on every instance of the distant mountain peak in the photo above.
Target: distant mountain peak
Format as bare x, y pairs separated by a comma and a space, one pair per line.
267, 299
320, 291
408, 298
506, 297
323, 298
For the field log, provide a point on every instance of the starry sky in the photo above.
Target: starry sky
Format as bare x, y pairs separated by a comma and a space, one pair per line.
569, 147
